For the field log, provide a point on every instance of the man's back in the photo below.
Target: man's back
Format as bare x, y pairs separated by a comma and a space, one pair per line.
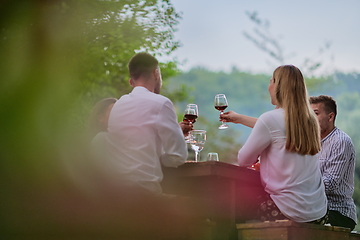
143, 131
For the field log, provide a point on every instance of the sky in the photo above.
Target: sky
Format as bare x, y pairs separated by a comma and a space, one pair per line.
212, 34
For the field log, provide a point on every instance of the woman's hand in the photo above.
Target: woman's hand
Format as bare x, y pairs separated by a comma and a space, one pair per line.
234, 117
230, 116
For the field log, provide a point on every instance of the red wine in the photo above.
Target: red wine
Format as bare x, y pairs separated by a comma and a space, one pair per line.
221, 108
190, 117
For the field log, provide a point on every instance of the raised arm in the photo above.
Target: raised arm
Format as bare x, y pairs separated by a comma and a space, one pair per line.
234, 117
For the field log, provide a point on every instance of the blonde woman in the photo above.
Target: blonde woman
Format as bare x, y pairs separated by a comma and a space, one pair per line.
287, 139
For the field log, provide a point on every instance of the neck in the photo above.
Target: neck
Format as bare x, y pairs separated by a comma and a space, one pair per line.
146, 84
326, 132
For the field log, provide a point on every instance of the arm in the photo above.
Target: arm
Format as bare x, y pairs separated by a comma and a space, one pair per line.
234, 117
337, 165
174, 147
258, 140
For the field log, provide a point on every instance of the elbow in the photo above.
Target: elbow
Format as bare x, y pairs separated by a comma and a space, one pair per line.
245, 160
241, 160
173, 160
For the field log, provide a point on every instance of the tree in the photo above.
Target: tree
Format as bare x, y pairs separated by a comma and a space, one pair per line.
265, 41
112, 32
115, 30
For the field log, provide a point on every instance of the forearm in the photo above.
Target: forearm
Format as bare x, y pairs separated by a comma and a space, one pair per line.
246, 120
234, 117
172, 138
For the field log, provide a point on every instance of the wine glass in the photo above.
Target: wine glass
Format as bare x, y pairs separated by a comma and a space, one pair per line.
190, 115
197, 142
220, 103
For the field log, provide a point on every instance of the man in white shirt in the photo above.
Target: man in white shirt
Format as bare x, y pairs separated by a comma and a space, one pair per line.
143, 129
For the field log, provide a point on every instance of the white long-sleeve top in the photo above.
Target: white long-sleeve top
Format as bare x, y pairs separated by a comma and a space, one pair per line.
293, 181
143, 132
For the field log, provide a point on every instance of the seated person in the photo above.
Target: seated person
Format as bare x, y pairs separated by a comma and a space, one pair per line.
143, 130
337, 164
287, 139
98, 123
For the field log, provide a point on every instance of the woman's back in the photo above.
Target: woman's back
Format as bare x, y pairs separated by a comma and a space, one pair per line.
292, 180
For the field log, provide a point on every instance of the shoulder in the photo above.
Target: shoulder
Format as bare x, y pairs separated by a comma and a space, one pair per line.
147, 96
273, 115
338, 139
341, 136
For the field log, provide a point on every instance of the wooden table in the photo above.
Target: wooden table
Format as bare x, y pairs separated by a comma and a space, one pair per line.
289, 230
228, 192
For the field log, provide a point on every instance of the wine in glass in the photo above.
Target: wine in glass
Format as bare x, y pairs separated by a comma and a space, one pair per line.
197, 142
190, 115
220, 103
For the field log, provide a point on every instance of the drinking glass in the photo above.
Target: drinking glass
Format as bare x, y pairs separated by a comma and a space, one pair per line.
197, 142
190, 115
191, 112
220, 103
212, 156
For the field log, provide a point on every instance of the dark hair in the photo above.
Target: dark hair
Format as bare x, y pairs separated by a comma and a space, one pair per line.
99, 110
329, 103
142, 64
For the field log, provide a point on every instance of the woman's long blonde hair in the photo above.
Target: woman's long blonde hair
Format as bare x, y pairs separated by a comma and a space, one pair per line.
302, 127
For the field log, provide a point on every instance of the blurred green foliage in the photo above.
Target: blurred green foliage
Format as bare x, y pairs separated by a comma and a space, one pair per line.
57, 58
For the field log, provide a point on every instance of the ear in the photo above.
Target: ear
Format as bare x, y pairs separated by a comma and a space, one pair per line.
331, 117
131, 82
156, 74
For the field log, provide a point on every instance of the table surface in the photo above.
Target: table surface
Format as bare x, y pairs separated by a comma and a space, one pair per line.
216, 169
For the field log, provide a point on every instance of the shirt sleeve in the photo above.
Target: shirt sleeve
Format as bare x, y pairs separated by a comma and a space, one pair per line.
258, 140
174, 146
337, 164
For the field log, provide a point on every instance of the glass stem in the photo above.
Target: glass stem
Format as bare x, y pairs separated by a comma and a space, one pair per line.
196, 156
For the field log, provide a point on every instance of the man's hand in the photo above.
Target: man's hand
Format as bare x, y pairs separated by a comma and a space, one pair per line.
186, 127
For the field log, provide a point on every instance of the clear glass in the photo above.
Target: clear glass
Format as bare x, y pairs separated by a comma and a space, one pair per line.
220, 104
191, 113
212, 156
197, 142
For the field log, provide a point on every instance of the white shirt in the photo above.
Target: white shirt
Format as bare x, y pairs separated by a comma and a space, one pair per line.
292, 180
143, 133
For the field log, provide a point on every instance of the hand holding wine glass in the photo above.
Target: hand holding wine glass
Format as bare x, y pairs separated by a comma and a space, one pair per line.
220, 103
197, 142
190, 115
